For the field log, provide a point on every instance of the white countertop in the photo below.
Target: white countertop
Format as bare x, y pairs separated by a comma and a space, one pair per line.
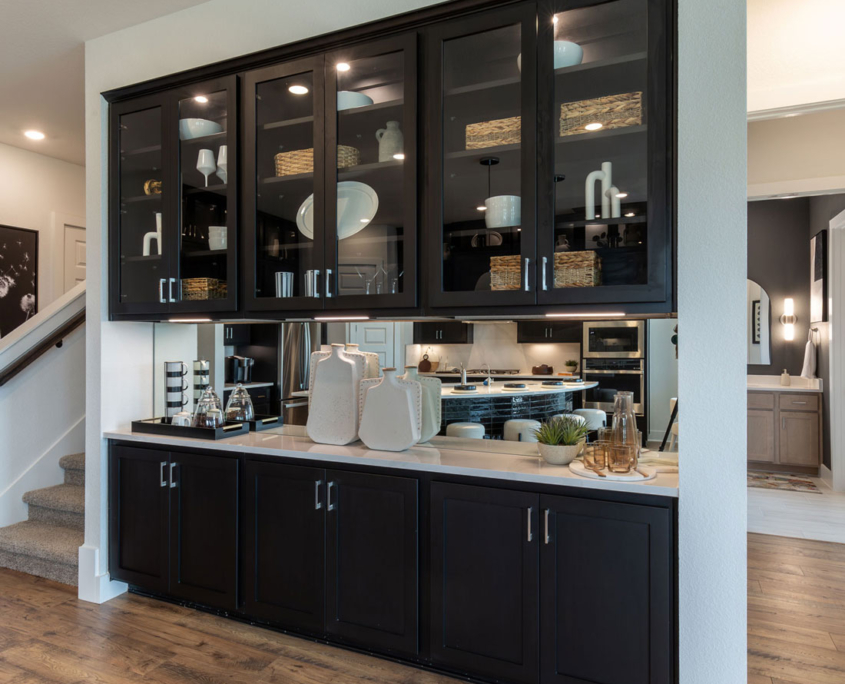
498, 390
430, 457
247, 385
771, 383
503, 378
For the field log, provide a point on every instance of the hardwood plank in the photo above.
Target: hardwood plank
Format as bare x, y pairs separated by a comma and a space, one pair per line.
807, 664
754, 587
789, 632
758, 679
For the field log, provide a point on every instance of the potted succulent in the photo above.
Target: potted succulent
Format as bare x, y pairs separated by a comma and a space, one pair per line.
561, 439
571, 365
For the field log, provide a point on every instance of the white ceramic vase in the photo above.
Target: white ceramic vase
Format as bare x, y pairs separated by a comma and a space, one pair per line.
373, 365
333, 415
391, 412
559, 454
431, 403
390, 141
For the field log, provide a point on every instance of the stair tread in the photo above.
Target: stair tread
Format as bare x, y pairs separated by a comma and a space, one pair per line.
42, 540
73, 461
63, 497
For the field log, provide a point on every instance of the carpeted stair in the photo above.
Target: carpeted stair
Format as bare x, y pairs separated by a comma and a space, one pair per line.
48, 543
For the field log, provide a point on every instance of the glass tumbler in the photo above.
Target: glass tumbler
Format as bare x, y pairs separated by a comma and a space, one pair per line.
621, 458
595, 455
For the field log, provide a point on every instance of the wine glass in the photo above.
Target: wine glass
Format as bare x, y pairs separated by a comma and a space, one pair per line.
205, 164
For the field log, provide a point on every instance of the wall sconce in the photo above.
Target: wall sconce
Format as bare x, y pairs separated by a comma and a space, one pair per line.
788, 319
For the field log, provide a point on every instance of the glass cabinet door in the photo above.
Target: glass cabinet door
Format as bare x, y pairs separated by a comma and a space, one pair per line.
604, 118
371, 183
206, 249
483, 159
283, 186
138, 205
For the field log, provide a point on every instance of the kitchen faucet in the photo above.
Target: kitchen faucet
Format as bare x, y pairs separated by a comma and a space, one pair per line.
489, 375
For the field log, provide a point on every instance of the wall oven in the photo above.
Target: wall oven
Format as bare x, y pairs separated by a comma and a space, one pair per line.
612, 376
614, 340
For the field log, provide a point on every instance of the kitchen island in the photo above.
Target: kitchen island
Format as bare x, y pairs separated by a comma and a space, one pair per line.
455, 556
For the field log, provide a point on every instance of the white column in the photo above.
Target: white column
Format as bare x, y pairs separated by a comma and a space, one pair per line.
836, 309
712, 231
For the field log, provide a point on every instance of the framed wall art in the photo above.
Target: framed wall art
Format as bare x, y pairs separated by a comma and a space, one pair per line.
18, 277
818, 278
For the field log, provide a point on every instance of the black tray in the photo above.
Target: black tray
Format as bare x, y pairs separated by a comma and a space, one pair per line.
157, 426
260, 423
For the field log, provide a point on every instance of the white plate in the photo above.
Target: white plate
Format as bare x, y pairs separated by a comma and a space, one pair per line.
579, 468
357, 204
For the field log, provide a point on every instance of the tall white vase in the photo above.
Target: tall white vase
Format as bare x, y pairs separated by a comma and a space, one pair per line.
431, 402
391, 142
391, 412
373, 365
333, 416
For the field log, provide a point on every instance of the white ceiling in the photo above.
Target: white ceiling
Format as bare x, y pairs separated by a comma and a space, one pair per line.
43, 74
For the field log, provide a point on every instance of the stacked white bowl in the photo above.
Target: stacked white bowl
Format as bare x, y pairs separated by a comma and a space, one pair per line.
217, 237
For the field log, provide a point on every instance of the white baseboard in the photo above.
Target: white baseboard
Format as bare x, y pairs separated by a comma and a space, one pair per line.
826, 475
44, 471
96, 588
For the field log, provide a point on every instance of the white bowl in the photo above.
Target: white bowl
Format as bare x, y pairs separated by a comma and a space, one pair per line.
567, 54
349, 99
197, 128
503, 211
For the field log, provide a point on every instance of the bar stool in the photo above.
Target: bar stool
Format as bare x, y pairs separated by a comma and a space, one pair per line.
595, 418
521, 430
466, 430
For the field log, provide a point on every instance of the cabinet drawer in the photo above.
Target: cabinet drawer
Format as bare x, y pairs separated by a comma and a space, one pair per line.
799, 402
761, 400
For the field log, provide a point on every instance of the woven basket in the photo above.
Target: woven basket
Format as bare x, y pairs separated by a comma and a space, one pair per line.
493, 133
302, 161
201, 289
612, 111
505, 272
577, 269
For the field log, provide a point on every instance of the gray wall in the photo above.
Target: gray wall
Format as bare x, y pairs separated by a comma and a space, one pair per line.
822, 209
779, 260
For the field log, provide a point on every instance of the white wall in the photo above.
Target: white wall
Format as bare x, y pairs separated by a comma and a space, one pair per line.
712, 237
662, 369
33, 188
795, 52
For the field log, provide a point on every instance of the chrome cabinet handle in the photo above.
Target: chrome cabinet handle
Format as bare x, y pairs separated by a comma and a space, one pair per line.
329, 505
783, 423
172, 483
328, 282
545, 261
317, 284
527, 285
546, 530
529, 533
161, 297
317, 503
170, 289
162, 466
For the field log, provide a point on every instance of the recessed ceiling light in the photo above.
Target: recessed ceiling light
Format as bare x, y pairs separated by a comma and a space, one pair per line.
399, 155
34, 135
298, 89
202, 99
621, 195
629, 214
482, 208
343, 66
593, 126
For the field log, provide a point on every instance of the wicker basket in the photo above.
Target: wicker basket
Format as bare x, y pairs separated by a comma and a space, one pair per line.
577, 269
201, 289
505, 272
302, 161
493, 133
612, 111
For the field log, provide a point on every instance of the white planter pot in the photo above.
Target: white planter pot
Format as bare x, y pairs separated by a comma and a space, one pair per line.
559, 454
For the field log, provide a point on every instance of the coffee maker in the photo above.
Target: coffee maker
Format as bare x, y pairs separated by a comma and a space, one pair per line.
239, 369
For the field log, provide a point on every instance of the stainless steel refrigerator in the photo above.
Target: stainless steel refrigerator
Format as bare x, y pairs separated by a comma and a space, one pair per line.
297, 341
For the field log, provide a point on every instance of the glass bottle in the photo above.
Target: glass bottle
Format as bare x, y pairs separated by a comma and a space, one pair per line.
625, 420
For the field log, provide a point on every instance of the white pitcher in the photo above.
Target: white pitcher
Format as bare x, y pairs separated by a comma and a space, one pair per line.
391, 142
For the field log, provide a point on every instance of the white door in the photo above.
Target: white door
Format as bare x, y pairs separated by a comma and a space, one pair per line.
74, 262
375, 336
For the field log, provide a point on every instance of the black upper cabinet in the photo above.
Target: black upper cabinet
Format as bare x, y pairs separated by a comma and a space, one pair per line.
604, 131
484, 581
443, 332
542, 332
607, 575
330, 181
481, 156
173, 201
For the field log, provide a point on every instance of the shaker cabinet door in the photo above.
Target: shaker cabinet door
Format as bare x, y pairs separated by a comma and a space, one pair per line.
484, 581
761, 435
799, 438
607, 586
284, 544
371, 561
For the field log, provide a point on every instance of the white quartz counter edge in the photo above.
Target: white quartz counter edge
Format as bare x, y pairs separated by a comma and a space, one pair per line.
510, 467
782, 388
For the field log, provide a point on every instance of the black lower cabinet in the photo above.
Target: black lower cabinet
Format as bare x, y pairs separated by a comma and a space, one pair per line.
371, 560
485, 581
173, 524
284, 542
607, 586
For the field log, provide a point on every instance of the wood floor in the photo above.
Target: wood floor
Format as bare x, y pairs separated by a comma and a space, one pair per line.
796, 633
798, 514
